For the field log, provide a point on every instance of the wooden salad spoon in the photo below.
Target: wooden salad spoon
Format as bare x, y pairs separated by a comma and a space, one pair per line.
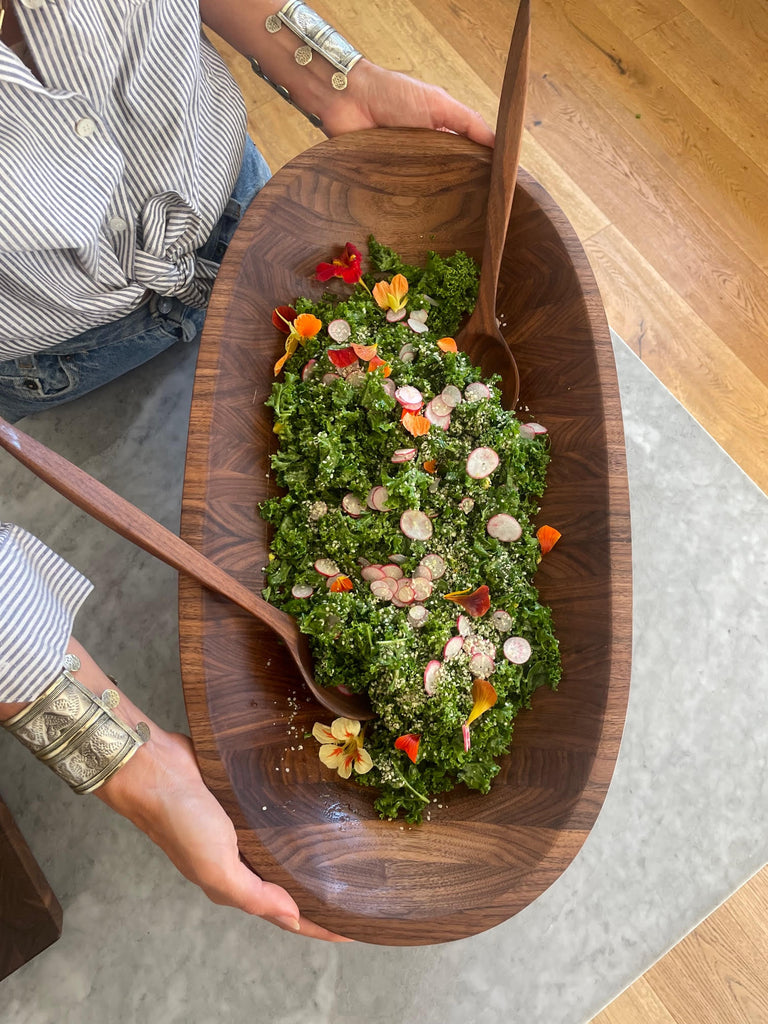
481, 338
136, 526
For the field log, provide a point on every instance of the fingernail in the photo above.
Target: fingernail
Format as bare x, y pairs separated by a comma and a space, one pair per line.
289, 922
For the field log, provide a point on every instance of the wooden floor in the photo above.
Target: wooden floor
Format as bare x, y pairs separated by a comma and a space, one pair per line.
647, 123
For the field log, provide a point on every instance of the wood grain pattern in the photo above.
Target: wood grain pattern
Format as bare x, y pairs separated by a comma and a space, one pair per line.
478, 860
30, 914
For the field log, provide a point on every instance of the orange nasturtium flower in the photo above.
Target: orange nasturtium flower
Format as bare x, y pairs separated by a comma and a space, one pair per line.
447, 345
484, 696
376, 363
415, 424
548, 536
342, 747
409, 743
304, 327
475, 603
391, 295
341, 583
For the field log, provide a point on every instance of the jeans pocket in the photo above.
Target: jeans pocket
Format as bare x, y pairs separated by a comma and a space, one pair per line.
40, 377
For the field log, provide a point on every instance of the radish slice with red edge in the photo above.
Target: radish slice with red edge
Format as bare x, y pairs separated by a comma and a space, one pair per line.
417, 615
502, 620
302, 591
481, 462
440, 407
464, 625
409, 397
476, 391
407, 353
378, 498
329, 378
526, 432
352, 505
417, 326
308, 369
403, 455
420, 314
435, 565
373, 572
422, 588
481, 666
451, 396
430, 676
339, 331
393, 571
466, 505
394, 315
397, 603
388, 385
398, 559
517, 650
504, 527
326, 567
382, 589
439, 421
453, 647
405, 593
356, 378
416, 525
537, 428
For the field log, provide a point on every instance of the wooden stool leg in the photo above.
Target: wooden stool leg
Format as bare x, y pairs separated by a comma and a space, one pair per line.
30, 914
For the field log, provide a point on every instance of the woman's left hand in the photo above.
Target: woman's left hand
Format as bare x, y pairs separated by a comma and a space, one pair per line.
378, 98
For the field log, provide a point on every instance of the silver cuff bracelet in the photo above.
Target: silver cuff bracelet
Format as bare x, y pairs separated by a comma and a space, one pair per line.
318, 36
76, 733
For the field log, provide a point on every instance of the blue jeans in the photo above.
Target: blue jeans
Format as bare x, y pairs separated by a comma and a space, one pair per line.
74, 367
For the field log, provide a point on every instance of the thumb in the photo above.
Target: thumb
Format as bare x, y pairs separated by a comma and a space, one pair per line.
263, 899
449, 113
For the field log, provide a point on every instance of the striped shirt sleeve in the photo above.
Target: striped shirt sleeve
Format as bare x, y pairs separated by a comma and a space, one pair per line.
40, 594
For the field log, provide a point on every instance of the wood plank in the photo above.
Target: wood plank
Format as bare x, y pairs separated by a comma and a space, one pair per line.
638, 1005
740, 25
641, 15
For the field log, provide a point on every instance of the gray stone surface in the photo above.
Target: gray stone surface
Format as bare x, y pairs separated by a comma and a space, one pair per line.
681, 828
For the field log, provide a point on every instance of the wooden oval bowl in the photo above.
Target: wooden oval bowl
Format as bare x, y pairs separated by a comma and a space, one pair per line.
479, 859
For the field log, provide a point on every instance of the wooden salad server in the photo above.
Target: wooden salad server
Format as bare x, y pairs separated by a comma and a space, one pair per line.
136, 526
481, 338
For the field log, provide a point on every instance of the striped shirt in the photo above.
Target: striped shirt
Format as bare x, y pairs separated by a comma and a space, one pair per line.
114, 166
40, 595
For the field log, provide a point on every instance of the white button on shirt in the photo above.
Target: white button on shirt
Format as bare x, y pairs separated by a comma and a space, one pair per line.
133, 110
117, 224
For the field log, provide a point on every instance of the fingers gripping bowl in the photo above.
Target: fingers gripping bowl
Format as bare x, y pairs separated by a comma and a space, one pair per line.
479, 859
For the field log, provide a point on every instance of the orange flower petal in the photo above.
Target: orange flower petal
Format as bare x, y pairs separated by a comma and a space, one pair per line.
340, 584
281, 362
447, 345
399, 288
364, 352
475, 604
381, 294
376, 363
548, 536
484, 696
430, 466
416, 424
307, 325
409, 744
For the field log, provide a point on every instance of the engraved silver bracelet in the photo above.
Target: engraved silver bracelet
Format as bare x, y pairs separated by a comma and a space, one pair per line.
317, 36
77, 733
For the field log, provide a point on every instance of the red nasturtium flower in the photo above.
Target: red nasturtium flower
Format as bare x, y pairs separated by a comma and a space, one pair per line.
475, 603
348, 266
410, 744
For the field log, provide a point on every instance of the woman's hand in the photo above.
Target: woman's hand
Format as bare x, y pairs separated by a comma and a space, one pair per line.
162, 792
378, 98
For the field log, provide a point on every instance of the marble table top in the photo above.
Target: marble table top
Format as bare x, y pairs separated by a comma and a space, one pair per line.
681, 828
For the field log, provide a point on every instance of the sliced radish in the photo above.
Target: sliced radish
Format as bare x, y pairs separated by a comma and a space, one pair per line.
502, 620
451, 396
526, 432
389, 386
409, 397
464, 625
416, 525
504, 527
393, 315
398, 559
382, 589
344, 689
399, 604
417, 615
481, 462
422, 588
430, 676
422, 572
435, 565
517, 650
326, 567
356, 378
352, 505
407, 353
475, 392
420, 314
417, 326
373, 572
439, 421
393, 571
329, 378
403, 455
302, 590
537, 428
362, 561
339, 331
440, 407
481, 665
377, 499
453, 647
405, 592
308, 369
466, 505
341, 357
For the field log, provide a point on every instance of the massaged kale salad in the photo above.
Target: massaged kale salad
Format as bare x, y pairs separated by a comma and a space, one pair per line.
404, 545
